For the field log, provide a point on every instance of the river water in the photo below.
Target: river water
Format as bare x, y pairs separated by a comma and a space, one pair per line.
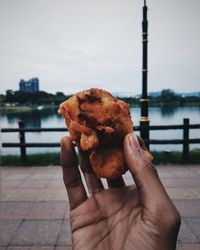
169, 115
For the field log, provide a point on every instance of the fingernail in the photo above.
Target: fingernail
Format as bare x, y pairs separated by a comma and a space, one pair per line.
133, 140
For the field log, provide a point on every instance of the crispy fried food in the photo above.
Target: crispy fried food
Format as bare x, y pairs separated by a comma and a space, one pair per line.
108, 162
98, 122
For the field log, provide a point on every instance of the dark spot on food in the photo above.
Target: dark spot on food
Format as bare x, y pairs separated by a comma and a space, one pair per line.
80, 101
109, 123
93, 98
91, 122
88, 98
82, 116
109, 139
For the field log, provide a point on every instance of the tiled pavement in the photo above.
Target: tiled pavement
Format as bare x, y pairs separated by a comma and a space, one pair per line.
34, 208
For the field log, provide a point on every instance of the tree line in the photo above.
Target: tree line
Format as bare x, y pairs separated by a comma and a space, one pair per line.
37, 98
166, 96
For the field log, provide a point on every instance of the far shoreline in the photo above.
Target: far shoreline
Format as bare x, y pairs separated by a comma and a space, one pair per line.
29, 107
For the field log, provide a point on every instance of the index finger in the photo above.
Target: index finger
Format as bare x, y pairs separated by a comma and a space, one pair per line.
94, 183
71, 174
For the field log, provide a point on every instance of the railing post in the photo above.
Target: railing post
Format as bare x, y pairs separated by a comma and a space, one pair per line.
22, 141
144, 133
186, 123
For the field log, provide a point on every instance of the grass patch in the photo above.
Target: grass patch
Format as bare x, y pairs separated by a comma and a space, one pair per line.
46, 159
175, 157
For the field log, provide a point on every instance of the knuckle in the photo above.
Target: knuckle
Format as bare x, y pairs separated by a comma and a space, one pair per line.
62, 140
171, 220
148, 164
65, 140
174, 220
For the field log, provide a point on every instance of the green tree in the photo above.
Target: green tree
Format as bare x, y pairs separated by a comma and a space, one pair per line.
168, 95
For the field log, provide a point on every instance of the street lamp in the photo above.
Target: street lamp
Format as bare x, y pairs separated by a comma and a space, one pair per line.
144, 119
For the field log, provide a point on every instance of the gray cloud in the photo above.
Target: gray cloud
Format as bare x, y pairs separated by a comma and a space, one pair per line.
73, 44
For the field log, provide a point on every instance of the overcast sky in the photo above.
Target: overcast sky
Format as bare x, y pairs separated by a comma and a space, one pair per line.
72, 45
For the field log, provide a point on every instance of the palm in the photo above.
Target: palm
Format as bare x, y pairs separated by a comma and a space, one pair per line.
111, 219
120, 217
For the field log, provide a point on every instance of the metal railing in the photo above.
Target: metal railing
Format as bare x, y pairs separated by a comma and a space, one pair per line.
185, 141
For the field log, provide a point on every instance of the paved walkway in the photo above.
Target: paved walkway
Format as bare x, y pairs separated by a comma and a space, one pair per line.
34, 208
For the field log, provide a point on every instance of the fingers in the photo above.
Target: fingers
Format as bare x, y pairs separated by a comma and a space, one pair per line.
117, 183
151, 190
94, 184
71, 174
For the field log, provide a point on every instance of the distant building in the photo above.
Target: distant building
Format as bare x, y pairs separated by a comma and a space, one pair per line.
31, 86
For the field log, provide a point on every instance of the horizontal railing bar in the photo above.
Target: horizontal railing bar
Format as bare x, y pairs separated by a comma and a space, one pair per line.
165, 127
30, 145
176, 141
6, 130
10, 145
136, 128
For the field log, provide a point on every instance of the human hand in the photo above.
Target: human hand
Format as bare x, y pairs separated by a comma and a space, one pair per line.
140, 217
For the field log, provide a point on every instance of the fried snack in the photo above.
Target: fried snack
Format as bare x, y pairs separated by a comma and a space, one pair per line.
98, 123
108, 162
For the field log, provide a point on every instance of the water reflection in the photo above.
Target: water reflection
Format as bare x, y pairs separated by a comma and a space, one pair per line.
32, 119
168, 110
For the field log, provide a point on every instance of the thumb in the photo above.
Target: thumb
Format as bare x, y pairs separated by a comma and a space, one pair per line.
150, 188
